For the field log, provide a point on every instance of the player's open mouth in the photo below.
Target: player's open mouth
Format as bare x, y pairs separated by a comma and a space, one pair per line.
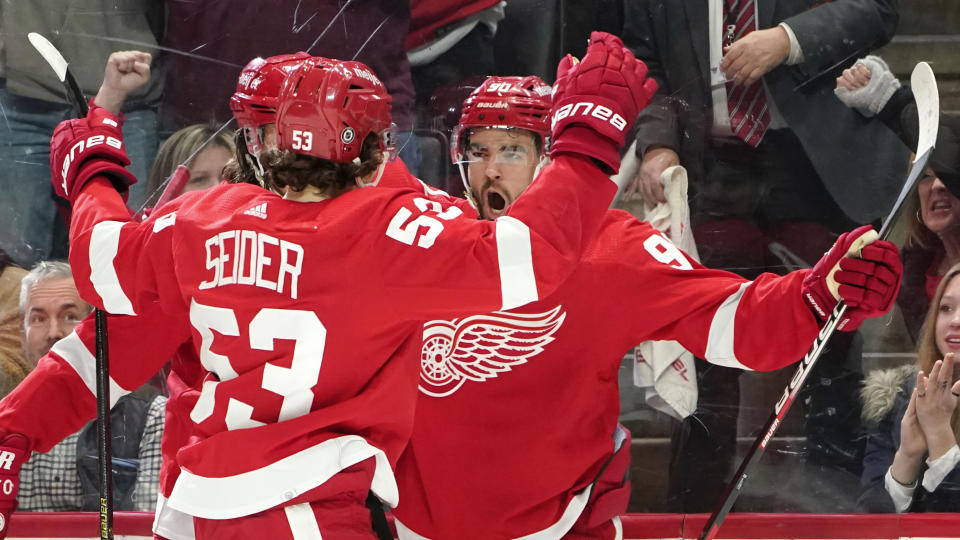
495, 202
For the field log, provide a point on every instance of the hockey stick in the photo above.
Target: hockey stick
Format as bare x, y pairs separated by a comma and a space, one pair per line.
176, 181
104, 452
928, 109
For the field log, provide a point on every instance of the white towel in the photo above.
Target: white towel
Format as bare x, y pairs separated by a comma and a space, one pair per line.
664, 369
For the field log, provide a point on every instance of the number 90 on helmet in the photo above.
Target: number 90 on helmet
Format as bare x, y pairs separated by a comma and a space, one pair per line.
505, 103
254, 104
326, 108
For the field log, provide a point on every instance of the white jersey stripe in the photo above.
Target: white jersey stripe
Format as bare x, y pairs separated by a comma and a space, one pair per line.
75, 353
172, 524
274, 484
104, 242
518, 285
303, 522
720, 340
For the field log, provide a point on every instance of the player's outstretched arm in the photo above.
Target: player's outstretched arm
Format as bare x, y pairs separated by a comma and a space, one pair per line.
526, 254
763, 324
88, 169
59, 396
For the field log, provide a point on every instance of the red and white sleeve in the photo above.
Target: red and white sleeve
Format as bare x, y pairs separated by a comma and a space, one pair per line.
443, 262
59, 396
119, 264
719, 316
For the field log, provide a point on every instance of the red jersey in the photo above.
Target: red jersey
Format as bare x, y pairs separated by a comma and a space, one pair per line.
304, 315
135, 338
518, 409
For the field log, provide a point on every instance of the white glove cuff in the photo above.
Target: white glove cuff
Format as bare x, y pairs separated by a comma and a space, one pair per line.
871, 99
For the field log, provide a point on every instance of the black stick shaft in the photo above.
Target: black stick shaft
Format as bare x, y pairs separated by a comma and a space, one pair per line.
104, 438
750, 461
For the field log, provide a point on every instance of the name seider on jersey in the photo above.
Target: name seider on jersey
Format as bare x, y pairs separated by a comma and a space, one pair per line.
243, 257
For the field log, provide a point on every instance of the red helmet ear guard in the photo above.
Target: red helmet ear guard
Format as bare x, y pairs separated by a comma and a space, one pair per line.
506, 103
326, 109
254, 104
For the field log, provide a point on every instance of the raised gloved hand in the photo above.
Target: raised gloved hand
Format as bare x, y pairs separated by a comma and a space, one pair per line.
86, 147
860, 270
595, 101
13, 452
867, 85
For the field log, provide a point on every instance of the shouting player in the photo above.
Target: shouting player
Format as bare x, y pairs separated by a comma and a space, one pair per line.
273, 287
516, 431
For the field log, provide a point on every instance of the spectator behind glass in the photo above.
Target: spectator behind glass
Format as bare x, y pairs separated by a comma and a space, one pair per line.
205, 168
912, 462
49, 308
933, 244
777, 168
32, 101
13, 363
66, 478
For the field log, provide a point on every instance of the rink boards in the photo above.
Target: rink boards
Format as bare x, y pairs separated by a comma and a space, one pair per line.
136, 526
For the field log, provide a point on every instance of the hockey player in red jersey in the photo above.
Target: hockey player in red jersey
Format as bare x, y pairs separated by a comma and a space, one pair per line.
515, 433
314, 410
254, 107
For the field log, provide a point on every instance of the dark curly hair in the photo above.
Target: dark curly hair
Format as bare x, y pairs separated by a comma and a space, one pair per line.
286, 169
241, 169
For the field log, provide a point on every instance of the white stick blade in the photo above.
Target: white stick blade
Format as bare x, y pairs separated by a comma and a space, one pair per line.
50, 54
924, 86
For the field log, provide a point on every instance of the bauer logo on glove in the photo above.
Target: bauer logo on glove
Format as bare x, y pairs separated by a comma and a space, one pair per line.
586, 108
597, 99
84, 148
80, 147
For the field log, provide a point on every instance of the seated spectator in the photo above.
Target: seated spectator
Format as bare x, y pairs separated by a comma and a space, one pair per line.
49, 308
66, 478
933, 214
205, 168
13, 364
912, 462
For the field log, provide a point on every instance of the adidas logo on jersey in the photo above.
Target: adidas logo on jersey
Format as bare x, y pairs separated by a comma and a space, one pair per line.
259, 211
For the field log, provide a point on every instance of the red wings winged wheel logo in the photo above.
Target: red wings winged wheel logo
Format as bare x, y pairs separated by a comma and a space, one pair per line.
481, 347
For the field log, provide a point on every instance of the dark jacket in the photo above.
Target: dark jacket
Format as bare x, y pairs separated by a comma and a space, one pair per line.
912, 298
860, 162
886, 395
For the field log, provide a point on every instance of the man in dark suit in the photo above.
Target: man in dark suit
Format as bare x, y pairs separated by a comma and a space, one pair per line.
794, 52
777, 164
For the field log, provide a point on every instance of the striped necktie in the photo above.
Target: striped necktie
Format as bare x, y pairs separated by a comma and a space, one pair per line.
749, 116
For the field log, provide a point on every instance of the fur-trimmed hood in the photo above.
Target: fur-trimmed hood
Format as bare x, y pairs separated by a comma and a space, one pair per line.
880, 391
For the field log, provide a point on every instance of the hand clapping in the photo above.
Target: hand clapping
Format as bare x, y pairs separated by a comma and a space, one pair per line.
937, 397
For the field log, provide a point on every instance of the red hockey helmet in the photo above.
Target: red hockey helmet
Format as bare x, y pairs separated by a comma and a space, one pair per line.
506, 103
254, 104
328, 107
